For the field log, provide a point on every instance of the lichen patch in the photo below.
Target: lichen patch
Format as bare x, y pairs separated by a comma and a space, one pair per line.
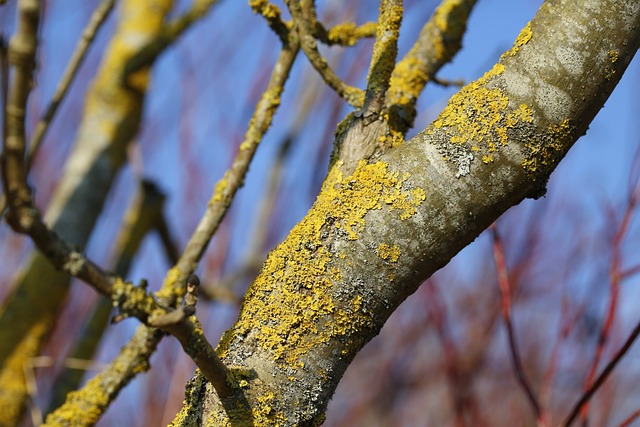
291, 308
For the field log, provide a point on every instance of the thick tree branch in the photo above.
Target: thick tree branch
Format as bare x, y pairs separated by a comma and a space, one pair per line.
375, 233
360, 138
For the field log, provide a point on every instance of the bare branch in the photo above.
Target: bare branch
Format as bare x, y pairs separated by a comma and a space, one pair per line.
505, 296
448, 82
630, 419
588, 394
615, 278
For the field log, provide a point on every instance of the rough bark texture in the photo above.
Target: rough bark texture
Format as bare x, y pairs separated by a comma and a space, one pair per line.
380, 229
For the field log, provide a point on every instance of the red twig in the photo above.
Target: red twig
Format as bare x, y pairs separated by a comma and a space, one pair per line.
438, 317
505, 304
615, 277
629, 272
586, 396
631, 418
568, 321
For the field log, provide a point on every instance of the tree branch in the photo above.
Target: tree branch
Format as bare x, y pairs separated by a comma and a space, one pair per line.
384, 55
438, 42
88, 34
308, 44
271, 14
145, 341
597, 383
378, 231
505, 297
168, 34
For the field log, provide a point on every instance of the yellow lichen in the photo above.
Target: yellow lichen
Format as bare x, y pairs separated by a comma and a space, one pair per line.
388, 252
450, 18
392, 139
264, 8
219, 190
475, 114
407, 80
383, 59
83, 407
169, 288
291, 307
13, 388
610, 72
269, 101
348, 33
546, 151
480, 116
522, 39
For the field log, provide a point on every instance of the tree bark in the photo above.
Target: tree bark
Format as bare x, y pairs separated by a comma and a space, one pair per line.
383, 225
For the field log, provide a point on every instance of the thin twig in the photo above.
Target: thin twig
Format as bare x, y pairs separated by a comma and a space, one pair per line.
255, 256
345, 34
167, 35
451, 359
448, 82
631, 418
309, 46
88, 35
271, 14
588, 394
226, 188
615, 277
568, 320
505, 296
384, 55
630, 272
439, 40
